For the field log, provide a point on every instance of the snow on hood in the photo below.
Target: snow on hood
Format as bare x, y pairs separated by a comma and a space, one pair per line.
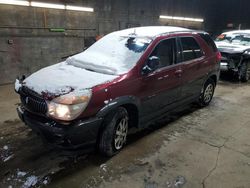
232, 47
63, 78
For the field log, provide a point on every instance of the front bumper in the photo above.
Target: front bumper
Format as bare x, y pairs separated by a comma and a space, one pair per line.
83, 133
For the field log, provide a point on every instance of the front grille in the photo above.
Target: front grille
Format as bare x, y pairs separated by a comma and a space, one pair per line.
33, 101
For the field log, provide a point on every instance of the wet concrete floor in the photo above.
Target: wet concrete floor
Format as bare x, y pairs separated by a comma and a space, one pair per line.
208, 148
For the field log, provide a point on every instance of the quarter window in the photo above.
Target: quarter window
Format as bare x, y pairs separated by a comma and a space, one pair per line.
190, 49
166, 52
209, 42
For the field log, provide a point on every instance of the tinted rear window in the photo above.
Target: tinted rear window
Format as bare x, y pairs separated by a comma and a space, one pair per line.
209, 42
190, 49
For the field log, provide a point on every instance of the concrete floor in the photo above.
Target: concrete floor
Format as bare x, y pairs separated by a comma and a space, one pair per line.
194, 148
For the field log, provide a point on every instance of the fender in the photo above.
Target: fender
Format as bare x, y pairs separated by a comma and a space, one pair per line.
112, 105
210, 75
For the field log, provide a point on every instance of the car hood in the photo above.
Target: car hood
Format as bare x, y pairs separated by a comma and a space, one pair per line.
231, 48
63, 78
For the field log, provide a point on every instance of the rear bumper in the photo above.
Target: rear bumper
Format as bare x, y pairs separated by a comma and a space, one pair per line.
80, 134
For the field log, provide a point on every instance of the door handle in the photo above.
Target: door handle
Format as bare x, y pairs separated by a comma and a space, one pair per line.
163, 77
178, 73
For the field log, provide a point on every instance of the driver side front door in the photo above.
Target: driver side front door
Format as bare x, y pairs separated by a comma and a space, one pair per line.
162, 87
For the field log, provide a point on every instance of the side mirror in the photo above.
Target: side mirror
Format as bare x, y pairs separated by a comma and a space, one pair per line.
151, 65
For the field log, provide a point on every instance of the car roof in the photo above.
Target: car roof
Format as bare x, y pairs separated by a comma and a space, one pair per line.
151, 31
237, 32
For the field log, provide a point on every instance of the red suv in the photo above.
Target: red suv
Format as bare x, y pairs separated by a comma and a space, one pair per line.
129, 78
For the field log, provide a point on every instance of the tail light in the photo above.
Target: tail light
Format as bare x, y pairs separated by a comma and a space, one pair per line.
218, 57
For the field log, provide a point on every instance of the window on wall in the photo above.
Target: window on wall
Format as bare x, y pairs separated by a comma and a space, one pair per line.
190, 49
166, 51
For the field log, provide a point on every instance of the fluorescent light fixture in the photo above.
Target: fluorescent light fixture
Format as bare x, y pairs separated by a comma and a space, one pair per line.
86, 9
15, 2
178, 18
47, 5
182, 18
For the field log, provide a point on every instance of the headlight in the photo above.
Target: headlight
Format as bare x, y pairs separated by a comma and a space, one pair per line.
247, 52
68, 107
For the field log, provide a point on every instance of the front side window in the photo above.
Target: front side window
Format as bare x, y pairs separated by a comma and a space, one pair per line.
166, 52
190, 49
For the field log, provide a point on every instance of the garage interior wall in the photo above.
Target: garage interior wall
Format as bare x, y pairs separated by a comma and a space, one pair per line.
29, 43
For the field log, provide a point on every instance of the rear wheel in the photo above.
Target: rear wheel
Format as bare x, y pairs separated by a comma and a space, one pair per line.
244, 72
114, 135
207, 93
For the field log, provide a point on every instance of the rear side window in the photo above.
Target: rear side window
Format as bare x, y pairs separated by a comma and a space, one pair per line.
190, 49
209, 42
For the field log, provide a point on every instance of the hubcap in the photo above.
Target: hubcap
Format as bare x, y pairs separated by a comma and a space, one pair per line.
121, 133
208, 94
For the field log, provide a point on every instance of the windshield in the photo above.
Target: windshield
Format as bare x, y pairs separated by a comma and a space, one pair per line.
240, 39
113, 54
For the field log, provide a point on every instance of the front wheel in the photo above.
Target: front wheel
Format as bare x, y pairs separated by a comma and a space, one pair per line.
207, 93
114, 135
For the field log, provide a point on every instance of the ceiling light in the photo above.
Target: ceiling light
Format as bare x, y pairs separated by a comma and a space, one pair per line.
87, 9
47, 5
15, 2
182, 18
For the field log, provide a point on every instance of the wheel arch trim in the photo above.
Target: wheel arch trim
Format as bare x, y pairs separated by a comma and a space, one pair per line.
119, 101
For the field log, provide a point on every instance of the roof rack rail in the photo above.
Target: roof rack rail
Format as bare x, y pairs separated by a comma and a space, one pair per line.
183, 31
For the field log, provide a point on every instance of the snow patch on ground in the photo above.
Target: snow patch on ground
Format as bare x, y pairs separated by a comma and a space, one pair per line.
30, 181
6, 154
8, 158
5, 147
103, 167
21, 174
24, 179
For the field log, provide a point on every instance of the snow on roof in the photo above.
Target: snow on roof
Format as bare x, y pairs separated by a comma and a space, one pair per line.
237, 32
150, 31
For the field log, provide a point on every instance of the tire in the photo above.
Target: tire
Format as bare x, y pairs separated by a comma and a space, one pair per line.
207, 93
244, 72
113, 137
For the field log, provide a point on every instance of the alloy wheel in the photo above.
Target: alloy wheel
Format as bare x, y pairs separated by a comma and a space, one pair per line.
121, 133
208, 93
